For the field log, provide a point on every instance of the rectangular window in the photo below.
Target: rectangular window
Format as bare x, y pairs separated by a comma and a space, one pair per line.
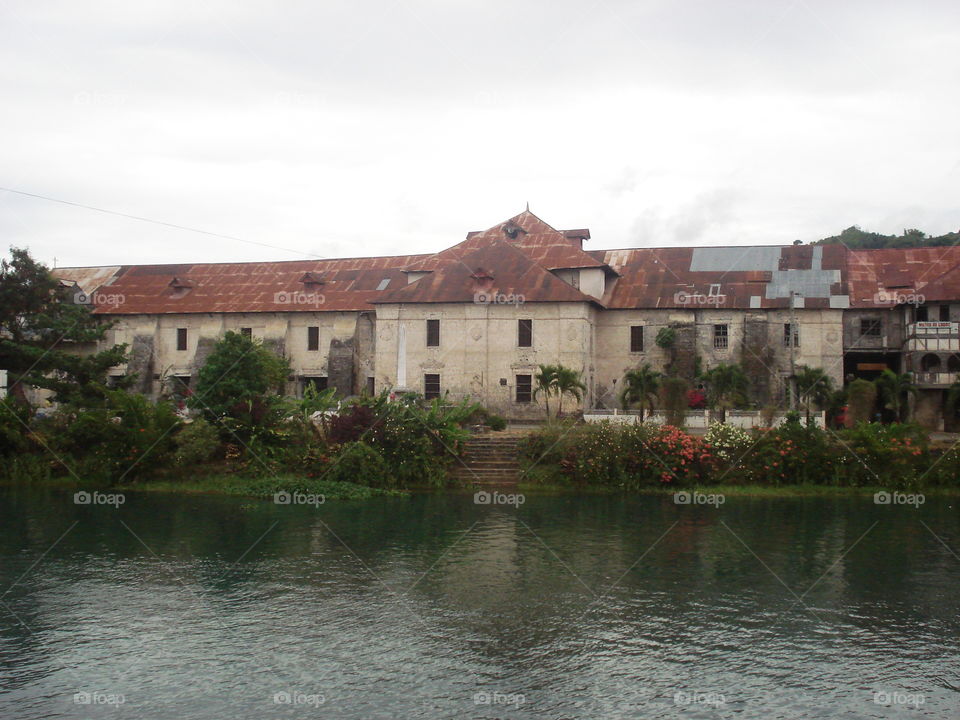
431, 386
871, 327
921, 313
525, 332
181, 338
433, 333
246, 332
720, 337
371, 386
524, 388
944, 313
786, 335
313, 338
636, 338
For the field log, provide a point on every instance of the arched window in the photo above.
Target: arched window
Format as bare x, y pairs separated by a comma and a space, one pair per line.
953, 363
930, 362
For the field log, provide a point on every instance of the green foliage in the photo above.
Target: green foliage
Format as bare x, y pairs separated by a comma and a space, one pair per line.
893, 456
622, 456
41, 328
640, 387
361, 464
496, 423
196, 443
560, 381
728, 443
239, 381
814, 387
127, 438
726, 387
892, 388
666, 337
861, 401
14, 429
855, 238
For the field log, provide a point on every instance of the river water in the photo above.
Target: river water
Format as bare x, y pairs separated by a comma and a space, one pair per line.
433, 606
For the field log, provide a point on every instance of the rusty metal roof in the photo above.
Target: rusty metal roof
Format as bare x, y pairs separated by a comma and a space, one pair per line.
516, 258
348, 285
552, 249
491, 273
875, 275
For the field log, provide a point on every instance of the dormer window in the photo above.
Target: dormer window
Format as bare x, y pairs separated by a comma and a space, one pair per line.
312, 280
511, 230
180, 286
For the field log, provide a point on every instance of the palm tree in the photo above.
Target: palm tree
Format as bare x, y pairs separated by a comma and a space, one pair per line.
814, 386
726, 385
892, 387
546, 379
567, 382
640, 386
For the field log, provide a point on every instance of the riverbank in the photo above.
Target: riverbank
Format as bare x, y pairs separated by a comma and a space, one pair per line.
226, 484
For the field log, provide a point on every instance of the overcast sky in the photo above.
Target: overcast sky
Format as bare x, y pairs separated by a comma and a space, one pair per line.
349, 128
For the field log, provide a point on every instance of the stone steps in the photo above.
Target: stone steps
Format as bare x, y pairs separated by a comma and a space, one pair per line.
489, 460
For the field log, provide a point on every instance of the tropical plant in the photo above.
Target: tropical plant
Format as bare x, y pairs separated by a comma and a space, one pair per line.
544, 382
726, 387
892, 388
814, 387
568, 382
640, 387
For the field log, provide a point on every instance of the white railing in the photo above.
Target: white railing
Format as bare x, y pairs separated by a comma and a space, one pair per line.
700, 419
935, 378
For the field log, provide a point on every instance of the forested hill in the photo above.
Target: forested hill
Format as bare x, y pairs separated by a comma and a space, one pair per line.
854, 237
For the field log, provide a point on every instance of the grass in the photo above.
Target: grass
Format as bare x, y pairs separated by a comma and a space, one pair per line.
731, 490
237, 485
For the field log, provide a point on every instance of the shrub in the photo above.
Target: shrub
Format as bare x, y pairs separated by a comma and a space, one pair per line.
196, 443
359, 463
14, 419
728, 443
496, 423
127, 439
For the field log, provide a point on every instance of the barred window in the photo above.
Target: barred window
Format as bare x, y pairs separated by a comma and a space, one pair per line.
786, 335
431, 386
720, 336
524, 388
636, 338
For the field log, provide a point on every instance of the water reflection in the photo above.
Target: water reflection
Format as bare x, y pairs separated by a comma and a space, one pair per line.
581, 607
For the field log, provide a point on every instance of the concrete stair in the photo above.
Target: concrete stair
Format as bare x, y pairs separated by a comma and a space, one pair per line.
490, 459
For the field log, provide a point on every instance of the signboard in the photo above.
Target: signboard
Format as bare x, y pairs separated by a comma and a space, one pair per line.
871, 366
944, 325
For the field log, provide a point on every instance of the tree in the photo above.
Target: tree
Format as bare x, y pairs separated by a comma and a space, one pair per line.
861, 399
892, 387
239, 380
568, 382
726, 387
814, 386
673, 398
640, 386
45, 335
545, 380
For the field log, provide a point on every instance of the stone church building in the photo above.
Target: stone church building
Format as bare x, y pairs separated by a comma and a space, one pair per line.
478, 317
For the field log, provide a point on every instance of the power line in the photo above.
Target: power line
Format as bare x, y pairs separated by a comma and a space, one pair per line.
157, 222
